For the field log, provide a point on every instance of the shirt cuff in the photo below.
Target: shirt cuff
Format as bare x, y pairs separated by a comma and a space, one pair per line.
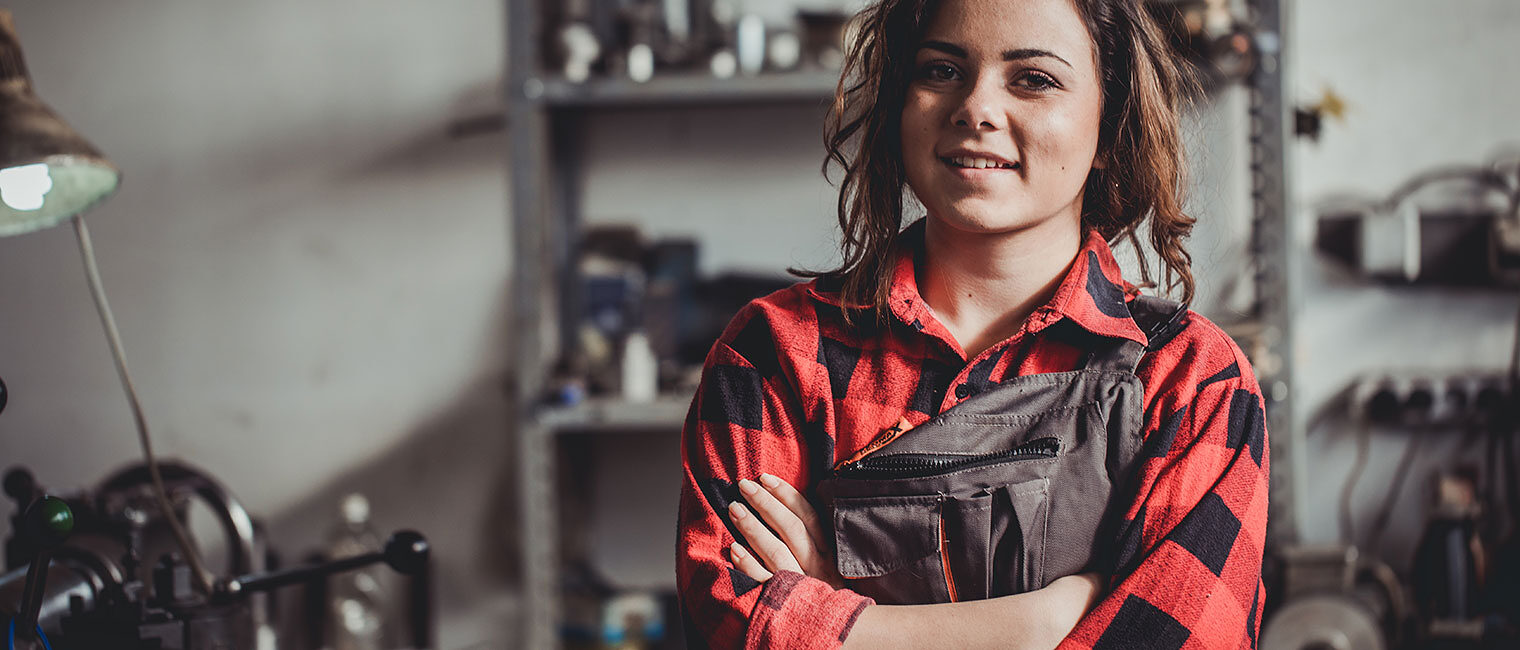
796, 612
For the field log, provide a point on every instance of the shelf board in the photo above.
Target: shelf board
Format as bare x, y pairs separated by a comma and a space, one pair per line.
688, 88
612, 415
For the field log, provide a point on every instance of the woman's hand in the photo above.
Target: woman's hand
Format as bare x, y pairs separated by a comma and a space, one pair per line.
801, 546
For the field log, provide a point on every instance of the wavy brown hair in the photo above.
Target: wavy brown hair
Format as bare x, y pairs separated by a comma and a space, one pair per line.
1144, 86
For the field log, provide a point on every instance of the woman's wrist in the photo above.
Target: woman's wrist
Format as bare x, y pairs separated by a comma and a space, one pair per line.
871, 629
1037, 619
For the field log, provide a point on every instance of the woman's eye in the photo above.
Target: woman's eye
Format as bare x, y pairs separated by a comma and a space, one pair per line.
939, 72
1036, 81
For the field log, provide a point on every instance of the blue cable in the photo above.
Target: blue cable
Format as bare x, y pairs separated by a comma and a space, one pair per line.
10, 637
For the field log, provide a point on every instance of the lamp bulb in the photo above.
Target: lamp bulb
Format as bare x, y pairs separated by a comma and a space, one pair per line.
24, 188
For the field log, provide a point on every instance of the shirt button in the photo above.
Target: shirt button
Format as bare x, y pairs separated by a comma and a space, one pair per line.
964, 390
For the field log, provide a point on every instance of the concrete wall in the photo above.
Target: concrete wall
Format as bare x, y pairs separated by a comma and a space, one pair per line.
309, 274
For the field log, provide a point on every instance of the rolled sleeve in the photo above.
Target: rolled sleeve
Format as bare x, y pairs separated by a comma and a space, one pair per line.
741, 423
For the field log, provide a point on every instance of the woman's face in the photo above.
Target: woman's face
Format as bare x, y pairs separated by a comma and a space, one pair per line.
1000, 124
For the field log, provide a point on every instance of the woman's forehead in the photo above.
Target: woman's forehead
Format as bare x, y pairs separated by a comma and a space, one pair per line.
988, 28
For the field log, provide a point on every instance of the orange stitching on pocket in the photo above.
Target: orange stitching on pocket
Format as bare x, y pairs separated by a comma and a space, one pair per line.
944, 558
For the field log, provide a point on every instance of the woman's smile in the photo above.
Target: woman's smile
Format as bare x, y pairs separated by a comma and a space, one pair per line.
978, 168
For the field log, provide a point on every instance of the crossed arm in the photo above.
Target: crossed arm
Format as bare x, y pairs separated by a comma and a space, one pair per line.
1038, 619
1187, 557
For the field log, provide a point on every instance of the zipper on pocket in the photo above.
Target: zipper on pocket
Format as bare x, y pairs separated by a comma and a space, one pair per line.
921, 465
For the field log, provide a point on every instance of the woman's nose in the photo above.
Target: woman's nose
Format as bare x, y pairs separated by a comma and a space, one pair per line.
981, 107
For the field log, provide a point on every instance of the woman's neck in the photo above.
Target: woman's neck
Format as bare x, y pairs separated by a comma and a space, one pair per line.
982, 287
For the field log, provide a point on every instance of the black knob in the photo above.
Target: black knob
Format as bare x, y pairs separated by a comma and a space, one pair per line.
20, 485
1420, 399
2, 395
407, 552
1384, 406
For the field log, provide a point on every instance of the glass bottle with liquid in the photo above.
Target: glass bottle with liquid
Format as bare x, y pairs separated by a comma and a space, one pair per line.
358, 611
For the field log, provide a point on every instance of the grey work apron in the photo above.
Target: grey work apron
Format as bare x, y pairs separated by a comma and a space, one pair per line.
1004, 492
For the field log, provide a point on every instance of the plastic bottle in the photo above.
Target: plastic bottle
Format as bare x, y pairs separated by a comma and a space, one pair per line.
641, 370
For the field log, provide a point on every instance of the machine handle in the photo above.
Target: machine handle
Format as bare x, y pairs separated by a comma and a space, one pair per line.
48, 522
406, 551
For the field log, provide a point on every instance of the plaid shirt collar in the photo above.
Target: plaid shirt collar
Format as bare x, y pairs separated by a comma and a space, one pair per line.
1094, 294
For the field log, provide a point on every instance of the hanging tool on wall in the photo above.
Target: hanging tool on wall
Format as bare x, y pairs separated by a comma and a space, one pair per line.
1451, 225
1309, 121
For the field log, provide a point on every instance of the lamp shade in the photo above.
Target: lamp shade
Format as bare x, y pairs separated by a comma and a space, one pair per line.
48, 172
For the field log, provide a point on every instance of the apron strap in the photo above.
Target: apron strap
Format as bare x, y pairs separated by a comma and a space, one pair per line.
1160, 319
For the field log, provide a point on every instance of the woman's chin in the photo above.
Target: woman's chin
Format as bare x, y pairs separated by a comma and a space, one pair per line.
994, 218
978, 223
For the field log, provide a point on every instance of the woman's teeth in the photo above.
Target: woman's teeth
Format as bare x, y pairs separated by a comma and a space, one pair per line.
979, 163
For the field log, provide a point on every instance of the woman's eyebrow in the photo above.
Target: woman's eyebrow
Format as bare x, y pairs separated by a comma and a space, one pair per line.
947, 48
1008, 55
1032, 53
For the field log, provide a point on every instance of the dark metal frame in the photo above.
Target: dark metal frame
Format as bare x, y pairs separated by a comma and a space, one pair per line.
1278, 271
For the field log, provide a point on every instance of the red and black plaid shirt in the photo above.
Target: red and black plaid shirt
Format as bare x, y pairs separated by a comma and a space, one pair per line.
790, 389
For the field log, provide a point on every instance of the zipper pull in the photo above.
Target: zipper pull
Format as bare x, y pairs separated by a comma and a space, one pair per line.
886, 436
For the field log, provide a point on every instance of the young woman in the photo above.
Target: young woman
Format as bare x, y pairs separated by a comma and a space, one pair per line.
975, 433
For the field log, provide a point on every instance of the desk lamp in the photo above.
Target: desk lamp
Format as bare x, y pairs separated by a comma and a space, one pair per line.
50, 174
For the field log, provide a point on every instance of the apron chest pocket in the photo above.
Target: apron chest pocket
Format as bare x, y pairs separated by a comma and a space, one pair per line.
999, 495
893, 548
879, 535
935, 548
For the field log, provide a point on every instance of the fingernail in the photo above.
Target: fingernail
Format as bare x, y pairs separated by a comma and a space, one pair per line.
769, 481
748, 487
737, 549
737, 511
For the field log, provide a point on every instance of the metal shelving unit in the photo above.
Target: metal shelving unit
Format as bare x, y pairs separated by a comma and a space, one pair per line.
689, 89
603, 415
545, 114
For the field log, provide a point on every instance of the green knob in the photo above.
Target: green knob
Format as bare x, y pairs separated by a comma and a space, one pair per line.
51, 520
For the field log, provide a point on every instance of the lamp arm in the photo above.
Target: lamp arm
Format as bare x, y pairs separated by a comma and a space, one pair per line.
113, 337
